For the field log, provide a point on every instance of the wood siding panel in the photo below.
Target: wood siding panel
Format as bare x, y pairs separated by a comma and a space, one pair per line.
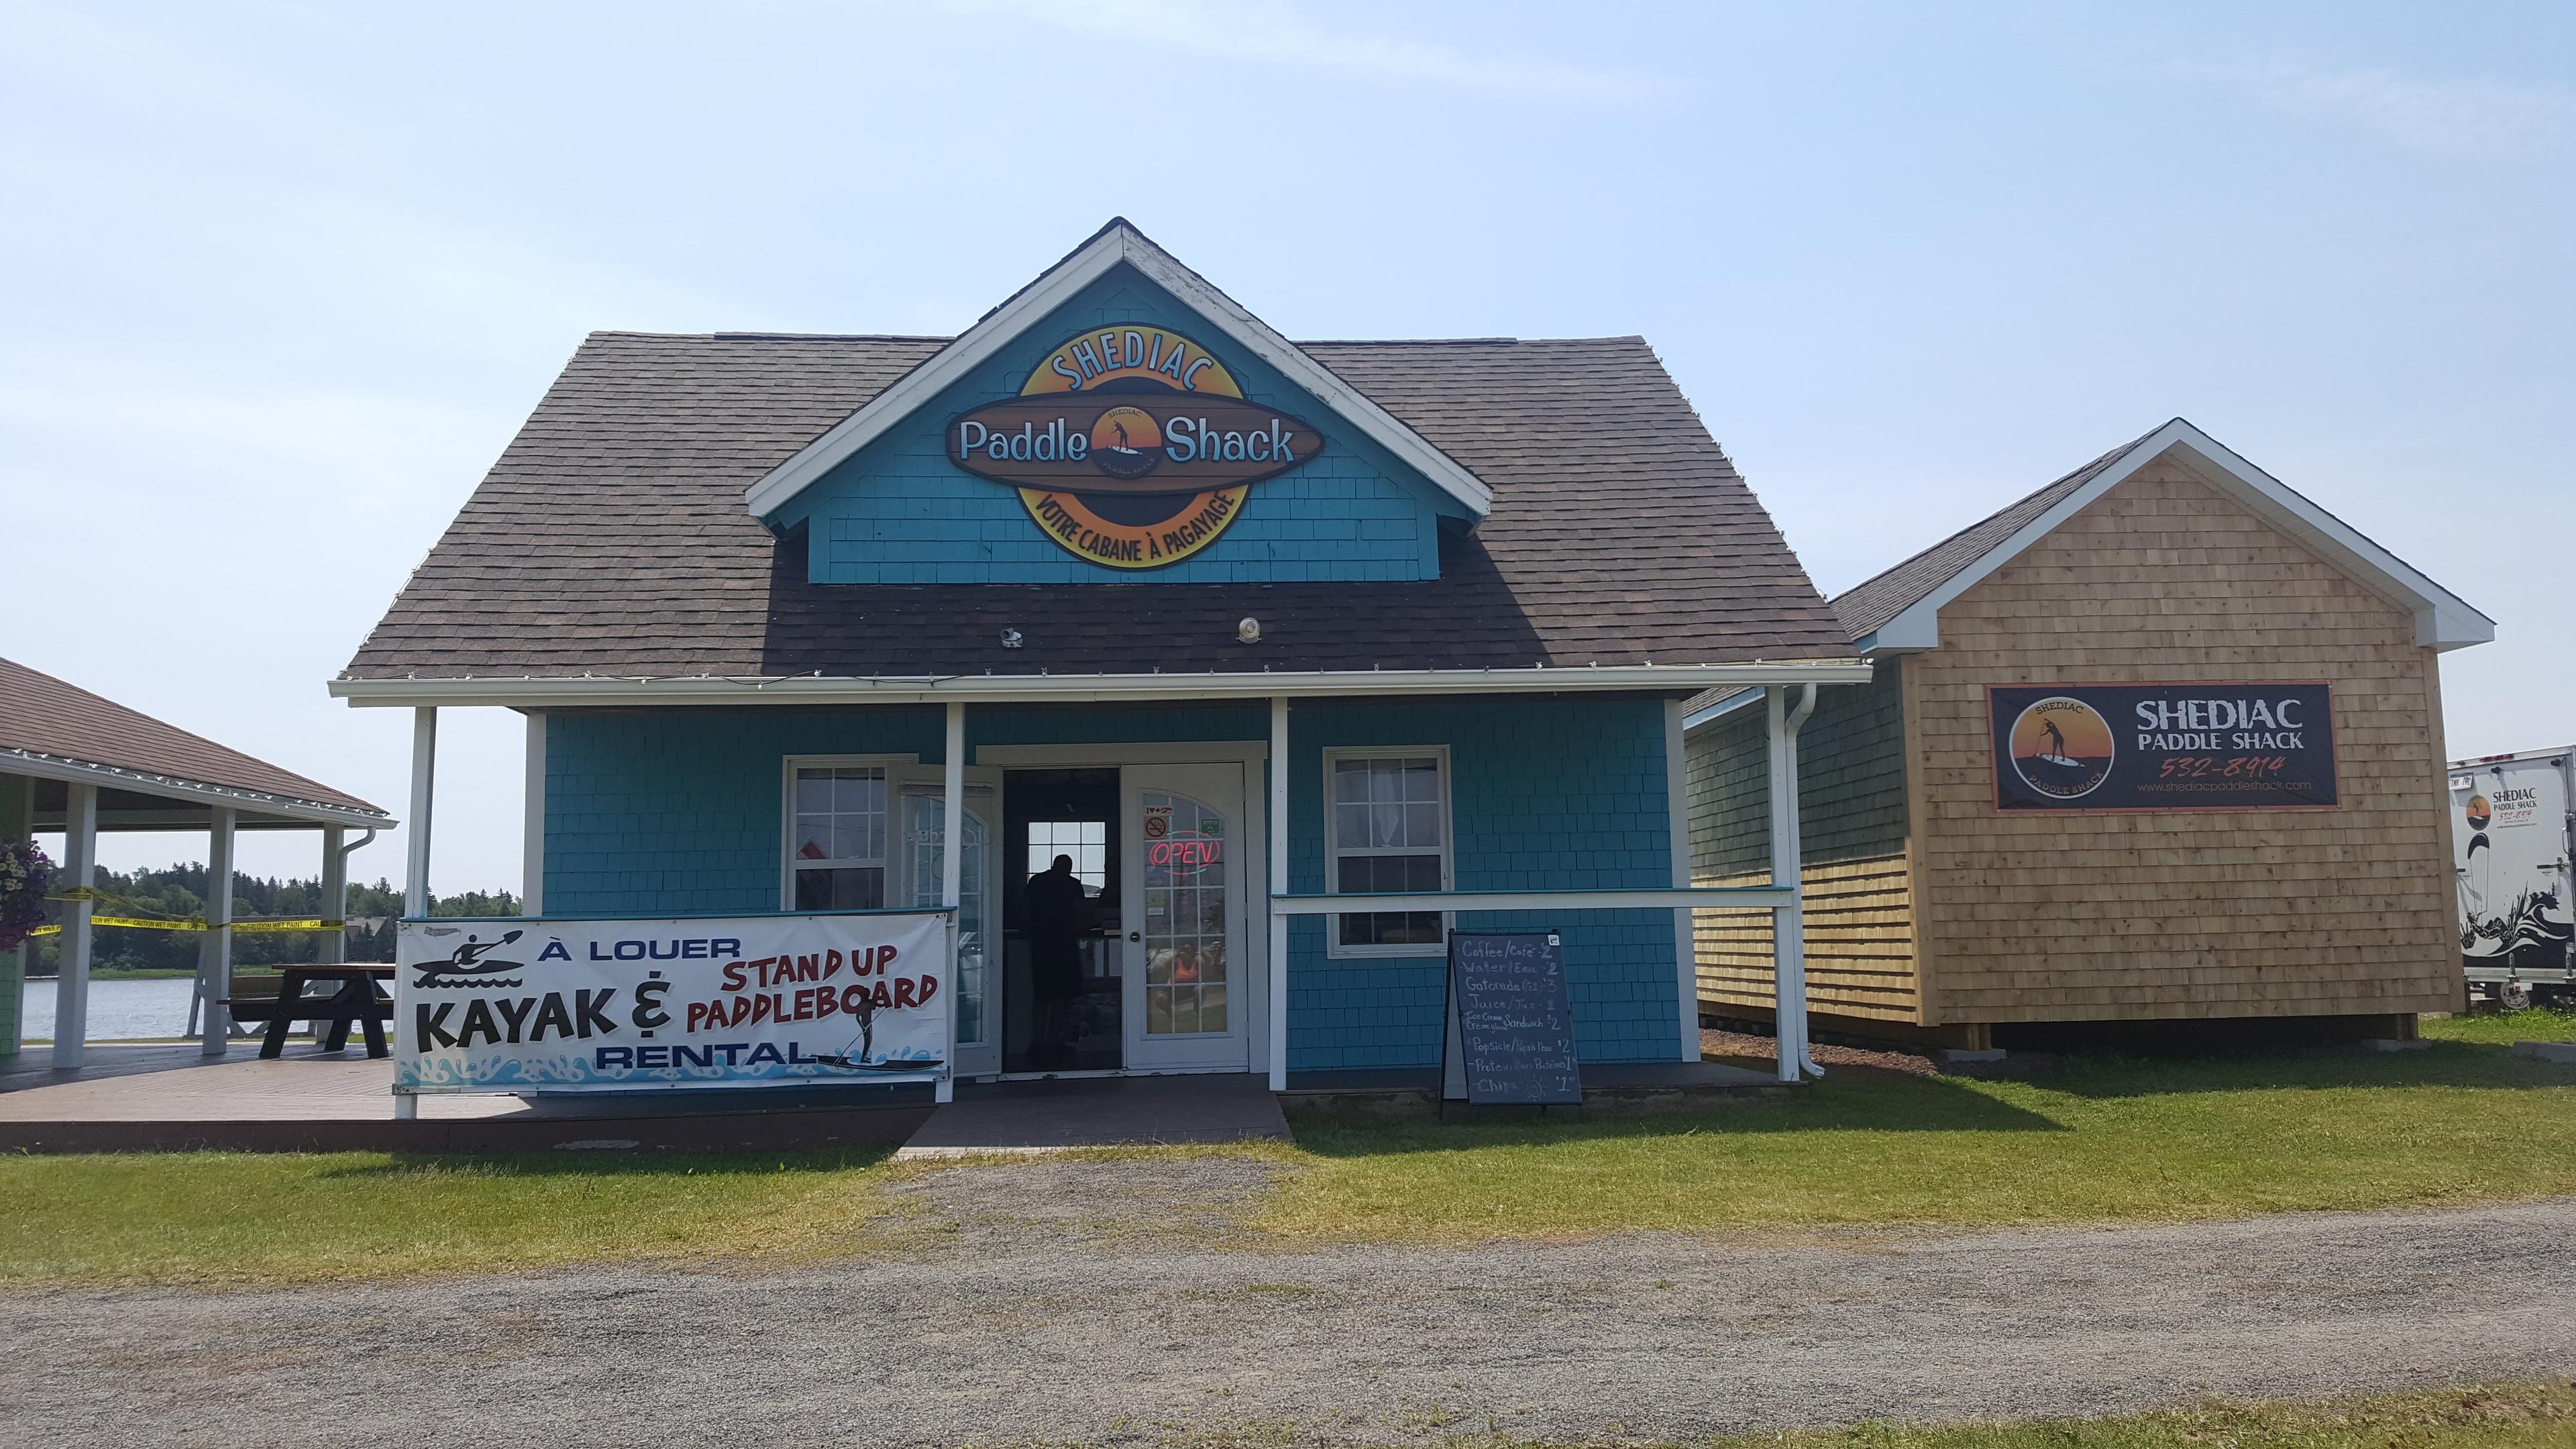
1852, 815
2041, 917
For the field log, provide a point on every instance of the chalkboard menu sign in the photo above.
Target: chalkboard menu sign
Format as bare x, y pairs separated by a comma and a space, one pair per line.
1511, 1035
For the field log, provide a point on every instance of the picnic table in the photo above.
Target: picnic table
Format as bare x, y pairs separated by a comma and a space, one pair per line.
355, 1000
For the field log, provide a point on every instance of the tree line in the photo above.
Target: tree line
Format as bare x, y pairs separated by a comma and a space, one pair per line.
179, 892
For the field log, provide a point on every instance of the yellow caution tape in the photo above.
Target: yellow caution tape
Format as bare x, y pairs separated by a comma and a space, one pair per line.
199, 924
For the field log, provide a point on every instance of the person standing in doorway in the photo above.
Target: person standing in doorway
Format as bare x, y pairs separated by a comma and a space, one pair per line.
1058, 914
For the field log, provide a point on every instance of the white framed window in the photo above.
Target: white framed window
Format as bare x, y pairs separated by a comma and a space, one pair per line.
836, 817
1386, 828
1087, 841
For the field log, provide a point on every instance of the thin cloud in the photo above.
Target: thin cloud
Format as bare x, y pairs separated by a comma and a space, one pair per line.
2471, 117
1278, 36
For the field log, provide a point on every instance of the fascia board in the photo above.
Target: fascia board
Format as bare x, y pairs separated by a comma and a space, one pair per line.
2442, 621
1919, 627
781, 484
1721, 709
707, 690
908, 393
141, 782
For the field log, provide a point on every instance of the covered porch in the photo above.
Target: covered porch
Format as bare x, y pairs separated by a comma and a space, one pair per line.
1288, 923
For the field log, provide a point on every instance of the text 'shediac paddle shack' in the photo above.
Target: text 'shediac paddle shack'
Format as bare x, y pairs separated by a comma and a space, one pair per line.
1302, 654
2160, 742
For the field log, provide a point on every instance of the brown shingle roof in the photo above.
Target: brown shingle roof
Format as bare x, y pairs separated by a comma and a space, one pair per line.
611, 537
42, 715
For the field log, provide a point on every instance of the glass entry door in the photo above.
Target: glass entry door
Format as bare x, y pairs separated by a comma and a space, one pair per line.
978, 1004
1185, 914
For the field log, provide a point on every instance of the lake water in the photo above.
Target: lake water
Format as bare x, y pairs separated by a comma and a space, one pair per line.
117, 1009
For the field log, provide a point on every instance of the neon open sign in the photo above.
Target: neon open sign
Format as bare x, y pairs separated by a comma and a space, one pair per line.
1185, 854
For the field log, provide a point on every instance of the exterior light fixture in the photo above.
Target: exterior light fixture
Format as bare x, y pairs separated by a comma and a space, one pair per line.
1249, 631
1010, 638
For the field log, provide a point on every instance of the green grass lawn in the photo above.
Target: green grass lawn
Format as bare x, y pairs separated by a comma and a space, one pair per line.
2495, 1416
2505, 1027
218, 1218
2093, 1140
2098, 1139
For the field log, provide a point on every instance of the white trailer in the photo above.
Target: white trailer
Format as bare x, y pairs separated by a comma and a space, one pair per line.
2510, 831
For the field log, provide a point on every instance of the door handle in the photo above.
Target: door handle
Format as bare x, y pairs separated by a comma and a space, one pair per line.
1135, 935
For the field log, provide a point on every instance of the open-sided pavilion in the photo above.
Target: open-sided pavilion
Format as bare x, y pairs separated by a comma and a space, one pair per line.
78, 763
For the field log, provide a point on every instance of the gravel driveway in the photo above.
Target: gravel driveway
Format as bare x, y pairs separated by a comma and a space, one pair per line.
1095, 1302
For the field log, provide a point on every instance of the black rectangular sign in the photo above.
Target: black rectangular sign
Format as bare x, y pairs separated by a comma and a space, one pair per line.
2162, 746
1511, 1034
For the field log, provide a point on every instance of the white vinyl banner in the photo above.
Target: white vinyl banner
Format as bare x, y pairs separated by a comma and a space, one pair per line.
597, 1006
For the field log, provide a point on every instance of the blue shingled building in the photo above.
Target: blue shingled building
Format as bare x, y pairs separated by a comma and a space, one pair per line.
1302, 654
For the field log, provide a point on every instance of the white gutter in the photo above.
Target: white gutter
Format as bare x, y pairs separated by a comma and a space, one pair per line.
531, 692
171, 787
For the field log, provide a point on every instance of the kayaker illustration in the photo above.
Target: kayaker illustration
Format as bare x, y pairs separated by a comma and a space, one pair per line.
467, 965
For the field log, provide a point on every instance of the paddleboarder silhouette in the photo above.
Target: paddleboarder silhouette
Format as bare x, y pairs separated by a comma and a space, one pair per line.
2056, 740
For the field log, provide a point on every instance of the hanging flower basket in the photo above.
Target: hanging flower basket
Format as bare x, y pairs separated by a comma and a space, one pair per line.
24, 875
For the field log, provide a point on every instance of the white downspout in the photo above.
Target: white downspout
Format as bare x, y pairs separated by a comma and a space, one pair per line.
1788, 922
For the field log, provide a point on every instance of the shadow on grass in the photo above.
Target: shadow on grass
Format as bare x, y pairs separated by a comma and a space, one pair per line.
2442, 1064
613, 1164
1850, 1100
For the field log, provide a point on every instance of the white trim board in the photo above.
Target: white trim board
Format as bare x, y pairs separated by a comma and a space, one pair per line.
1118, 242
703, 689
1105, 757
140, 782
2442, 620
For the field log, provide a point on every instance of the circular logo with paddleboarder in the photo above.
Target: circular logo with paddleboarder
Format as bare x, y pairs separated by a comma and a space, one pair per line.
1132, 447
2480, 812
2062, 747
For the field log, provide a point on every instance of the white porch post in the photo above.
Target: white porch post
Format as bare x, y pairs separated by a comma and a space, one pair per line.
71, 987
215, 949
1788, 921
952, 880
1278, 856
1685, 929
532, 822
424, 780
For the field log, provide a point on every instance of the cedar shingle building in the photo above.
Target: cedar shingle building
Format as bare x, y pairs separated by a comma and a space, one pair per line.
2162, 740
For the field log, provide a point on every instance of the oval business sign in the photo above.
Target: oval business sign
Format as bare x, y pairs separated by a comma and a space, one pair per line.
1131, 446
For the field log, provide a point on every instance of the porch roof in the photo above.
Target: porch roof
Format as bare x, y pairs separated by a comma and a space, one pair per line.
610, 541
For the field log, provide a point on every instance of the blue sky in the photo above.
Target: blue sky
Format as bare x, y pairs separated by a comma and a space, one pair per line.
282, 280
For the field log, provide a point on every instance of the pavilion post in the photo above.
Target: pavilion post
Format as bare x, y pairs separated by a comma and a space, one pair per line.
71, 984
215, 946
17, 827
1277, 1016
952, 881
334, 905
